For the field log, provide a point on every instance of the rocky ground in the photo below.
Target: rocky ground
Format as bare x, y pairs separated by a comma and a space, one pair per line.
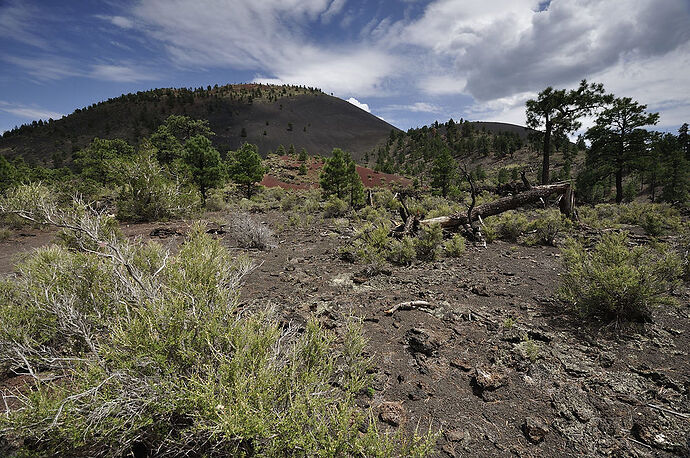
489, 357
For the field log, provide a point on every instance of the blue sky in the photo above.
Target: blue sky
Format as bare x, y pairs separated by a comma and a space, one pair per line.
409, 62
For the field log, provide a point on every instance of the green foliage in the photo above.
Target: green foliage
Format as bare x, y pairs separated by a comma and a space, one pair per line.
204, 163
245, 167
153, 354
455, 246
547, 225
402, 252
443, 172
529, 349
618, 140
428, 242
507, 226
8, 174
339, 177
615, 281
170, 137
335, 207
95, 161
656, 219
558, 111
148, 193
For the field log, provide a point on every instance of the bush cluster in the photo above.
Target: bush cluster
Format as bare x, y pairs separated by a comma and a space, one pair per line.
616, 282
153, 356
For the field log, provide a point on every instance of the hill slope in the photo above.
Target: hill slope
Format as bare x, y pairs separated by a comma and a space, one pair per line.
265, 115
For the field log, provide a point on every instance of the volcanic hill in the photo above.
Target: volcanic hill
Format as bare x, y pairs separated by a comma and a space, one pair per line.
265, 115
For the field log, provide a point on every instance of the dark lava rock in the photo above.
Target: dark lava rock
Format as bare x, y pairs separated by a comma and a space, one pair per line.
534, 429
392, 413
420, 341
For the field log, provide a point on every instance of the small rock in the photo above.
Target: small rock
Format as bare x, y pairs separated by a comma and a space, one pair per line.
455, 435
392, 413
420, 341
534, 429
488, 378
480, 291
461, 364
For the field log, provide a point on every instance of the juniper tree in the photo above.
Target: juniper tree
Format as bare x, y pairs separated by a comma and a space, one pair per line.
443, 172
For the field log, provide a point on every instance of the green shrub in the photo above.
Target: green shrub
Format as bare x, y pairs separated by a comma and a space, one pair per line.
455, 246
373, 215
615, 281
335, 207
386, 198
215, 200
154, 355
147, 193
547, 225
5, 233
428, 242
402, 252
507, 226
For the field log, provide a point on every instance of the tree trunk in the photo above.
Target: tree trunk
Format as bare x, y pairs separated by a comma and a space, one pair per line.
504, 204
546, 153
619, 185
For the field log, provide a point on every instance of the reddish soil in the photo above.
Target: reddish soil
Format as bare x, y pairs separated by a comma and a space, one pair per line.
495, 362
270, 181
288, 177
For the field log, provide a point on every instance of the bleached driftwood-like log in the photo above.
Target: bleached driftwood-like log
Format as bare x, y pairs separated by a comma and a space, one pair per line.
459, 220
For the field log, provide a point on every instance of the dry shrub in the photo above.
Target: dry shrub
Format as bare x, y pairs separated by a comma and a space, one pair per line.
250, 232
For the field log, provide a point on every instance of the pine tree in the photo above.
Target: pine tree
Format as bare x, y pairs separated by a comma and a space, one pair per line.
339, 177
245, 167
559, 111
444, 172
204, 163
618, 139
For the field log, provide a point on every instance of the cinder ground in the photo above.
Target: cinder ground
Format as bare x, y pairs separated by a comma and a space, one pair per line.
495, 362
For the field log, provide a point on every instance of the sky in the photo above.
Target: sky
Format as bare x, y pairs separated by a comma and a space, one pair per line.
410, 62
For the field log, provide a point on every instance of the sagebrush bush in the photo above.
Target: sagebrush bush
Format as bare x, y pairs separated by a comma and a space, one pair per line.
507, 226
147, 193
428, 242
335, 207
402, 252
153, 355
455, 246
616, 282
249, 232
547, 225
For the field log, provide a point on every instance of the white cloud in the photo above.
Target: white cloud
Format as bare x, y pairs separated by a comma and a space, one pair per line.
120, 73
417, 107
119, 21
442, 85
29, 112
359, 104
15, 24
270, 37
45, 68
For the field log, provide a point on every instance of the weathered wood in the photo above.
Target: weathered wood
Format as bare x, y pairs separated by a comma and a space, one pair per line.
501, 205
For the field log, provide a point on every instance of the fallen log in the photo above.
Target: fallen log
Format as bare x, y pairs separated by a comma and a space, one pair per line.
501, 205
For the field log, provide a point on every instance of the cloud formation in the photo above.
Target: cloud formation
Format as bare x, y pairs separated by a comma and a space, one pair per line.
359, 104
28, 112
433, 59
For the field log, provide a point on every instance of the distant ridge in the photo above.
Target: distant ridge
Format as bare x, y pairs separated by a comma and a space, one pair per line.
265, 115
